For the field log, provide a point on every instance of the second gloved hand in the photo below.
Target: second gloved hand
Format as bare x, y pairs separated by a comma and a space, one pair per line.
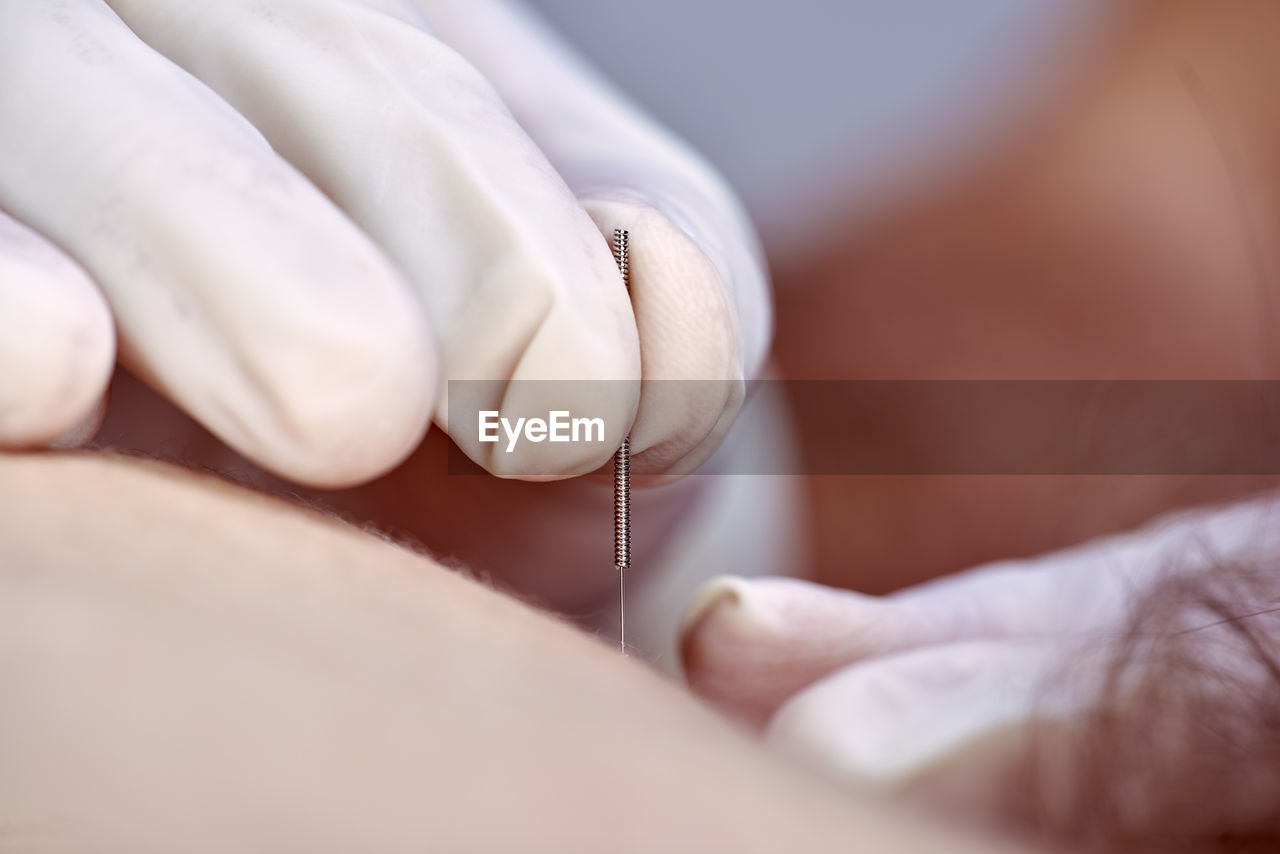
1108, 660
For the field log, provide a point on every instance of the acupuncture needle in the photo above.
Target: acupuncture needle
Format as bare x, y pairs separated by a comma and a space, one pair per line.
622, 472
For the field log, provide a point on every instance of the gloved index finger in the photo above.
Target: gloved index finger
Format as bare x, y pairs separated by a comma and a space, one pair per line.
413, 143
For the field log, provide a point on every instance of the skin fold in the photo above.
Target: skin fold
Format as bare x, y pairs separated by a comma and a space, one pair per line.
421, 502
193, 667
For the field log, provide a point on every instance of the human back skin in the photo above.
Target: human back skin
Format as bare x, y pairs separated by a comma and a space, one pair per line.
193, 667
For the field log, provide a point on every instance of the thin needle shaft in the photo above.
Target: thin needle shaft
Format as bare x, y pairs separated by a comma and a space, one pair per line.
622, 473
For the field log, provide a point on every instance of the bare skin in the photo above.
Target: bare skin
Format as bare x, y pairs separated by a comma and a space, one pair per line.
193, 667
1130, 234
422, 502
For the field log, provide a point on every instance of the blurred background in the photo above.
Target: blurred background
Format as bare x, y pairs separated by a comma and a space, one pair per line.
991, 190
814, 108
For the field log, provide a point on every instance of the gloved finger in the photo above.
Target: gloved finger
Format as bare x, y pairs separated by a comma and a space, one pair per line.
421, 152
57, 343
748, 645
701, 296
905, 721
238, 288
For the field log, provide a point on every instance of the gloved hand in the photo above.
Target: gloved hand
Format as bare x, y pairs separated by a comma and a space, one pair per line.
306, 215
946, 680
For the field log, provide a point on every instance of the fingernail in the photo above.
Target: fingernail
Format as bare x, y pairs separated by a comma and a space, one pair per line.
738, 650
721, 590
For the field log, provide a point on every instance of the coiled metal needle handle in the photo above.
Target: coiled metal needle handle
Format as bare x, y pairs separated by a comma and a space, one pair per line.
622, 505
622, 472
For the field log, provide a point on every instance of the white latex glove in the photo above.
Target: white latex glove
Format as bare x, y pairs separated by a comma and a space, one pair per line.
899, 691
306, 215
